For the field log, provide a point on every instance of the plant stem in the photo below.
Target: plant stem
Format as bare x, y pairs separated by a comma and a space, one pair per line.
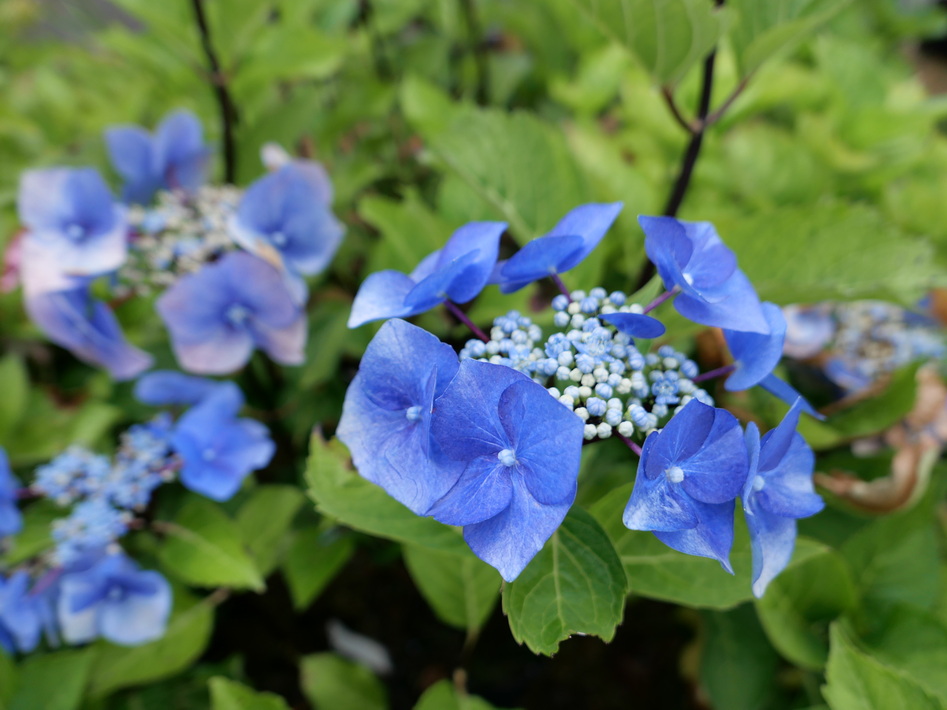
477, 47
660, 299
462, 317
630, 444
556, 279
225, 103
710, 374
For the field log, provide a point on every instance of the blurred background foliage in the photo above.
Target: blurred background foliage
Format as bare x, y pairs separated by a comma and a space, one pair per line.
825, 175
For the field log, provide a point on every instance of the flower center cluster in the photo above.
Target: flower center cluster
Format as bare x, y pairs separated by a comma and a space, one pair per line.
591, 367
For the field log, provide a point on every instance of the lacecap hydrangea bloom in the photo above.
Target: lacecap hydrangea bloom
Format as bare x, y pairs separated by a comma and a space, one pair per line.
490, 438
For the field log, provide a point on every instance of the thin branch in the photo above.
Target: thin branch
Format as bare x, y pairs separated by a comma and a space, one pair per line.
225, 103
725, 106
684, 123
462, 317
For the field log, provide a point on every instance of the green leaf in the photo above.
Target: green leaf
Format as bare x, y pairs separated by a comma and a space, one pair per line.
315, 556
52, 681
227, 694
410, 231
519, 166
7, 680
342, 494
856, 681
764, 29
332, 683
184, 641
329, 335
204, 547
36, 535
460, 588
14, 383
574, 585
444, 696
799, 604
667, 36
264, 522
738, 664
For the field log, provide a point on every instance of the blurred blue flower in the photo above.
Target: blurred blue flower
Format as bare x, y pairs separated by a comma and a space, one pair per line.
218, 315
20, 618
163, 388
778, 490
217, 449
74, 226
458, 272
175, 157
93, 524
386, 417
73, 474
560, 249
88, 329
285, 218
636, 325
115, 600
691, 258
10, 519
515, 453
808, 330
688, 476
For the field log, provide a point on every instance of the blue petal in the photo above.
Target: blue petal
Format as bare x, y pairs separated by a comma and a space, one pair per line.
668, 247
713, 536
635, 324
286, 344
735, 306
179, 153
680, 439
380, 296
775, 443
717, 471
433, 290
788, 490
130, 151
481, 239
536, 260
772, 539
788, 394
483, 490
509, 540
138, 618
167, 387
755, 354
656, 503
590, 222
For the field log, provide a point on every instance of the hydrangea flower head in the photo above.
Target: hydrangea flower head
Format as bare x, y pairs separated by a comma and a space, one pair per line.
688, 476
562, 248
74, 225
808, 330
175, 157
20, 619
218, 315
285, 216
115, 600
458, 272
515, 452
219, 450
386, 417
692, 258
10, 519
778, 491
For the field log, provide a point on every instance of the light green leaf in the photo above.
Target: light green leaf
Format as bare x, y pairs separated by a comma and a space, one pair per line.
7, 680
857, 681
667, 36
14, 383
444, 696
52, 681
410, 231
315, 556
264, 522
332, 683
342, 494
188, 632
36, 535
799, 604
460, 588
227, 694
574, 585
204, 547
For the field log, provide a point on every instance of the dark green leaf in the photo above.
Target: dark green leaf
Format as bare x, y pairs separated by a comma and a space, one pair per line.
332, 683
315, 556
227, 694
52, 681
444, 696
264, 522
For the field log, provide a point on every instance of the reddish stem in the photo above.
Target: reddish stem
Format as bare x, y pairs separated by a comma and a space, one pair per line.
462, 317
661, 299
561, 286
710, 374
630, 444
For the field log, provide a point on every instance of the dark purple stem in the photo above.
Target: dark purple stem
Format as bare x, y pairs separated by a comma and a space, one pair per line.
661, 299
462, 317
27, 493
630, 444
561, 286
710, 374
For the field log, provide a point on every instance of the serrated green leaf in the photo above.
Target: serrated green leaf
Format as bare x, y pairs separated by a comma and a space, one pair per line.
800, 603
667, 36
52, 681
264, 522
315, 556
332, 683
342, 494
226, 694
444, 696
204, 547
574, 585
856, 681
188, 632
460, 588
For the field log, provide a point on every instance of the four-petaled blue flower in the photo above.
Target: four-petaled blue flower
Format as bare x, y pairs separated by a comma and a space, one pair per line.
515, 452
10, 519
386, 417
218, 315
561, 249
175, 157
458, 272
778, 490
219, 450
20, 616
74, 227
284, 217
115, 600
689, 474
691, 258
